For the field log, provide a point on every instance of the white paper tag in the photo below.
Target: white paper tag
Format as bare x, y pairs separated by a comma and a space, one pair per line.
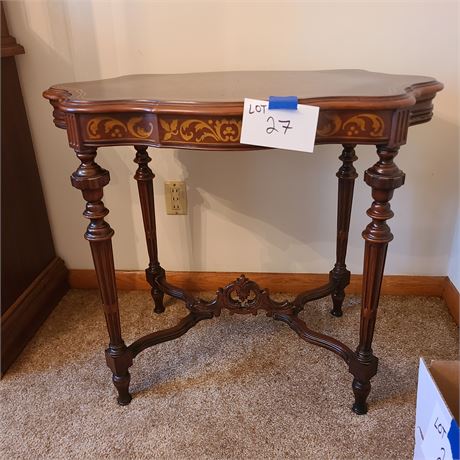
436, 444
282, 129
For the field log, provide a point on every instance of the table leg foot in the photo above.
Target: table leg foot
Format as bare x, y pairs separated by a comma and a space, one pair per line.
361, 391
121, 383
158, 300
124, 403
152, 274
119, 360
340, 278
337, 300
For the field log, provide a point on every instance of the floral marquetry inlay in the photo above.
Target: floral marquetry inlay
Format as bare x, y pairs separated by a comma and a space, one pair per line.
225, 130
212, 131
228, 130
109, 127
363, 124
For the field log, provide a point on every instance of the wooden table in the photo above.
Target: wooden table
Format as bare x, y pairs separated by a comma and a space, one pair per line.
203, 111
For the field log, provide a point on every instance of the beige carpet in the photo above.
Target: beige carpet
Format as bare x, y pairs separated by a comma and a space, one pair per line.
235, 387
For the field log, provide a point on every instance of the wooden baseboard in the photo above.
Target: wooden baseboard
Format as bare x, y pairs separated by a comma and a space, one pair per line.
25, 316
275, 282
452, 299
439, 286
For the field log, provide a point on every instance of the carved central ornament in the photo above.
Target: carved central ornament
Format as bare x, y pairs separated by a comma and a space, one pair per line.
244, 296
243, 293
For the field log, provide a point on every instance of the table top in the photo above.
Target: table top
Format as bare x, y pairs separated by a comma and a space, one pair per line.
204, 110
348, 89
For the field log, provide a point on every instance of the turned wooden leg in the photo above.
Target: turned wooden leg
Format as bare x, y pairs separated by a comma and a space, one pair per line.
384, 177
339, 275
144, 176
90, 178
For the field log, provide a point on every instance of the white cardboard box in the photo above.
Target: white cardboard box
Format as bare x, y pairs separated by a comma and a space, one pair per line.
437, 416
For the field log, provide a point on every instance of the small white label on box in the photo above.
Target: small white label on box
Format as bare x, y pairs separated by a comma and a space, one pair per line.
282, 129
436, 444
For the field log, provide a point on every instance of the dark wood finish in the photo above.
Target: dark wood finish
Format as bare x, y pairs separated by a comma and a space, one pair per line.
26, 242
90, 178
21, 263
30, 309
200, 92
384, 177
204, 111
339, 275
144, 176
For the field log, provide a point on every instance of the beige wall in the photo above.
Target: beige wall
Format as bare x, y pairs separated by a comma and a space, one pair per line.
248, 211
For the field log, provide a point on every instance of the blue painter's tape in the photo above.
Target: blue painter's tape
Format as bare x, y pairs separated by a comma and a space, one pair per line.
282, 102
453, 436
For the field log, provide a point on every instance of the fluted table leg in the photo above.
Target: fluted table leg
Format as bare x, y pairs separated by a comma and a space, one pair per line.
384, 177
90, 178
144, 177
339, 275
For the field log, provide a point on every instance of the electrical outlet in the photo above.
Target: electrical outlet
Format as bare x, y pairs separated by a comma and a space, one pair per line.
176, 197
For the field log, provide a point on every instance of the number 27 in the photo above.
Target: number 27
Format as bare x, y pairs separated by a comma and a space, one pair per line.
285, 124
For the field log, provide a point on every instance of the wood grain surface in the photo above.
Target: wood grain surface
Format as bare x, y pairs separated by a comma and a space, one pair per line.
357, 88
275, 282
